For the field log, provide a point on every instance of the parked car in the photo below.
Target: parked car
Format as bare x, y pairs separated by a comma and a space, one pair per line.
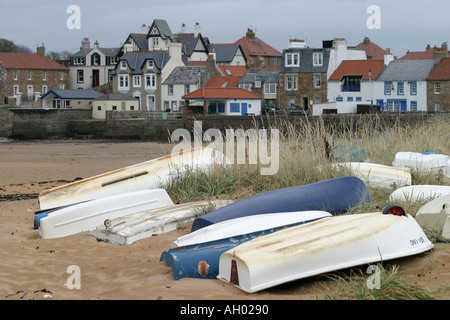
265, 108
292, 108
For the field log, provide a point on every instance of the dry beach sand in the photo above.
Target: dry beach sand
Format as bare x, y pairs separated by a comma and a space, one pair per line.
33, 268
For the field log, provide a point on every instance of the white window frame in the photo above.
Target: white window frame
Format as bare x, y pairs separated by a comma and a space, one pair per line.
291, 82
44, 75
258, 84
150, 81
29, 75
437, 88
124, 81
16, 74
123, 65
317, 59
170, 89
44, 89
317, 80
150, 64
80, 76
16, 89
137, 81
270, 88
437, 106
292, 60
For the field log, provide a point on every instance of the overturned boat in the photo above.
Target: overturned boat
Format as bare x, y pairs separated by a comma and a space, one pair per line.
435, 215
377, 175
88, 215
129, 229
322, 246
199, 255
420, 161
146, 175
335, 196
420, 192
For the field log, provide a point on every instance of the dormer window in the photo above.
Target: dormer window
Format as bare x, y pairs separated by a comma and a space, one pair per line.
292, 60
351, 84
317, 59
123, 65
150, 64
95, 59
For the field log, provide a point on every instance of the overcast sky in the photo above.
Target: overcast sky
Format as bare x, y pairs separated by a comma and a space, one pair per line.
404, 24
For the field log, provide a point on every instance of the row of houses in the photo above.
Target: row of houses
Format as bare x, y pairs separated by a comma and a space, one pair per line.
157, 70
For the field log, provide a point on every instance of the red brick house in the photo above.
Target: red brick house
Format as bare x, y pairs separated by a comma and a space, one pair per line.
438, 87
26, 76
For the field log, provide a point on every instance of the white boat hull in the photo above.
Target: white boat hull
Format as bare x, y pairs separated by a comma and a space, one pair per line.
146, 175
247, 225
132, 228
322, 246
420, 162
88, 215
419, 193
379, 176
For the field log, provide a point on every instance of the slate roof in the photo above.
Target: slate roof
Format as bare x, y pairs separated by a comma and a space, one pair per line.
115, 97
74, 94
141, 40
263, 75
358, 68
306, 60
185, 75
109, 52
441, 71
137, 60
225, 53
221, 94
407, 70
29, 61
163, 28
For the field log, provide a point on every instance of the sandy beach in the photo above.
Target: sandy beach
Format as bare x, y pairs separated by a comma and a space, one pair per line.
34, 268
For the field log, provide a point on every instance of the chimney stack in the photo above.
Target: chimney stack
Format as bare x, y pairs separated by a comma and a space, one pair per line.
85, 44
197, 29
183, 28
250, 34
41, 50
388, 57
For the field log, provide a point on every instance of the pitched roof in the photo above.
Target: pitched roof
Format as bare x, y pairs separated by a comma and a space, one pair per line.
74, 94
223, 81
163, 28
225, 52
407, 70
234, 71
253, 46
221, 93
263, 75
358, 68
421, 55
373, 51
29, 61
110, 52
441, 71
136, 60
185, 75
306, 60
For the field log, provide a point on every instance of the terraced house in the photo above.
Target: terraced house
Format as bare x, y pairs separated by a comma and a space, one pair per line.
24, 77
438, 87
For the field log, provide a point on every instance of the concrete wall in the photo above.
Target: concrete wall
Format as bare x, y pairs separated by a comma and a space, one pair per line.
6, 119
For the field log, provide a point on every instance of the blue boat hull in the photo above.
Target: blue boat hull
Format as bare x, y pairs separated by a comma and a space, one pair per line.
335, 196
202, 260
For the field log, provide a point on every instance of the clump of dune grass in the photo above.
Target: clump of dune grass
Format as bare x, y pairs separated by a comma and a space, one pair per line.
382, 284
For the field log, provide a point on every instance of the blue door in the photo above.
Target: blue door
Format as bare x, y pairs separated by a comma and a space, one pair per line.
402, 104
243, 109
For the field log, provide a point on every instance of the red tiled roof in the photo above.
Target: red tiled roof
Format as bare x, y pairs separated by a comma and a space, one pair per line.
29, 61
441, 71
358, 68
221, 93
373, 51
256, 47
218, 81
420, 55
236, 71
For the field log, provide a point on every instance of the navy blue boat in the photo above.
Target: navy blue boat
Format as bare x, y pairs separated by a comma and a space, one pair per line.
335, 196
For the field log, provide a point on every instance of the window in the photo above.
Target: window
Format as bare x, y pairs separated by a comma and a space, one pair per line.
16, 74
317, 99
413, 105
155, 42
437, 88
29, 74
235, 107
400, 88
413, 87
246, 86
150, 80
80, 76
258, 84
358, 99
292, 59
113, 60
317, 59
170, 89
351, 84
95, 59
16, 89
224, 85
174, 106
437, 106
221, 108
317, 78
387, 88
78, 61
123, 65
44, 89
187, 89
262, 61
149, 64
276, 61
291, 82
124, 81
393, 105
99, 108
136, 81
349, 99
270, 88
114, 108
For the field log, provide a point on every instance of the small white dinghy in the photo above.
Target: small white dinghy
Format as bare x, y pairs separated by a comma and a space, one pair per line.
247, 225
88, 215
420, 162
421, 192
378, 175
434, 214
322, 246
141, 225
146, 175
